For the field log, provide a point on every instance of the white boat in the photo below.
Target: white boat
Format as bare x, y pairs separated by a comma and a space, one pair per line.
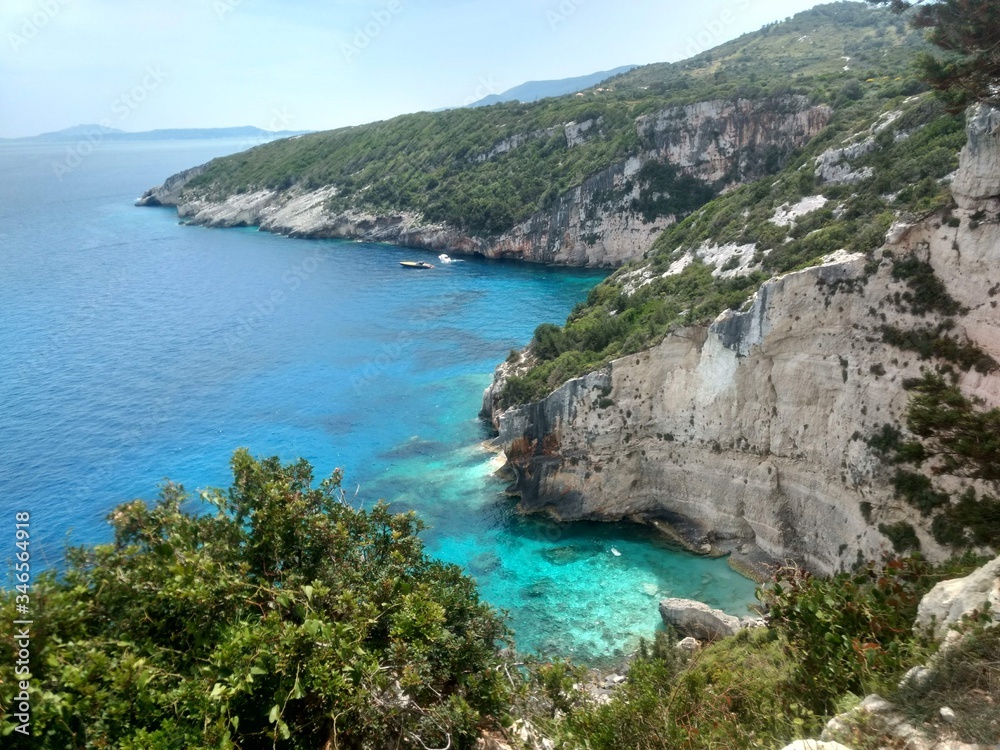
445, 258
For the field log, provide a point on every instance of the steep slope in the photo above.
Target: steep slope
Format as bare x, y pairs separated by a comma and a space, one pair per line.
588, 180
749, 431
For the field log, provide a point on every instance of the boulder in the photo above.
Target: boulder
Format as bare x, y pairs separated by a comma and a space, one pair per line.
877, 715
697, 619
688, 644
949, 601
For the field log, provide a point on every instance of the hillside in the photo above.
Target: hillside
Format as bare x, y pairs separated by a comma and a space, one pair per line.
579, 180
781, 373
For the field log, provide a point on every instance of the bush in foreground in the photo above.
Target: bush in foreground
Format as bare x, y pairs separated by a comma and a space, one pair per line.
284, 619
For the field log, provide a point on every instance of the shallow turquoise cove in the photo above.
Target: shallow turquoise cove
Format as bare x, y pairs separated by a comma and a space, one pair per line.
567, 591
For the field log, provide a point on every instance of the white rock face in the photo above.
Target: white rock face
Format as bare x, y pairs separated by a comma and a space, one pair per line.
786, 215
979, 177
576, 132
949, 601
834, 165
710, 138
882, 717
688, 644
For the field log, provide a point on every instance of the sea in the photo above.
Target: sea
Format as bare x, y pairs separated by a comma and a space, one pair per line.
134, 349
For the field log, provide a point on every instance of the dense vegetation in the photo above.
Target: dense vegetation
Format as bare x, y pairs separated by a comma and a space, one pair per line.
966, 66
286, 618
443, 165
830, 642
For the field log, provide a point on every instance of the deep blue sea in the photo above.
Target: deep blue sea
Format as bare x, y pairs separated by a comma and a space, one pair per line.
133, 349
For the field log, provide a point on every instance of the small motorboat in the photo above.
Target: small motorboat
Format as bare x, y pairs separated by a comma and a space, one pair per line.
414, 264
444, 258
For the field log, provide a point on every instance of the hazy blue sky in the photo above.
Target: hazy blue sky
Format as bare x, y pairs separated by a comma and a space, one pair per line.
315, 64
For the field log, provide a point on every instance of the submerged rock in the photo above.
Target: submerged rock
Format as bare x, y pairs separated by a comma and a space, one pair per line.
484, 563
567, 554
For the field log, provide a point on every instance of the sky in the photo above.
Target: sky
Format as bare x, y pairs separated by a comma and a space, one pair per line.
319, 64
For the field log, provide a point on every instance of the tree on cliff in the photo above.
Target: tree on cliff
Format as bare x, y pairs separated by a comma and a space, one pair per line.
284, 619
955, 436
968, 32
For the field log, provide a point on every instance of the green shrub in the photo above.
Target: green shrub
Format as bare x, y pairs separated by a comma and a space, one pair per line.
918, 490
902, 535
953, 435
927, 292
284, 619
850, 633
733, 694
934, 342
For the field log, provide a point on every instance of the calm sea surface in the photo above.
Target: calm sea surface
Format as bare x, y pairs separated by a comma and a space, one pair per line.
133, 349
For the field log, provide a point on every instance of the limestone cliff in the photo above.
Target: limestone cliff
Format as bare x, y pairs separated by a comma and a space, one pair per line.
752, 429
722, 142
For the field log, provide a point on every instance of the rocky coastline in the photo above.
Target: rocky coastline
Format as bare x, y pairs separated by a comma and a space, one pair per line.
593, 225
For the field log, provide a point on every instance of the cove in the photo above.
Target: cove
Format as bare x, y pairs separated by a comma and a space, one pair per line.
134, 349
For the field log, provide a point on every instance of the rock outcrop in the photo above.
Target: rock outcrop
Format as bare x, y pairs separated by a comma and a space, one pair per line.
722, 142
751, 431
728, 142
877, 722
979, 178
950, 601
697, 620
815, 745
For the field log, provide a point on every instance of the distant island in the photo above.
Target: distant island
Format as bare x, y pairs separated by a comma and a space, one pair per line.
164, 134
532, 91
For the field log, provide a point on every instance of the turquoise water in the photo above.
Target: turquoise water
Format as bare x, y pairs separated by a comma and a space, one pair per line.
134, 349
